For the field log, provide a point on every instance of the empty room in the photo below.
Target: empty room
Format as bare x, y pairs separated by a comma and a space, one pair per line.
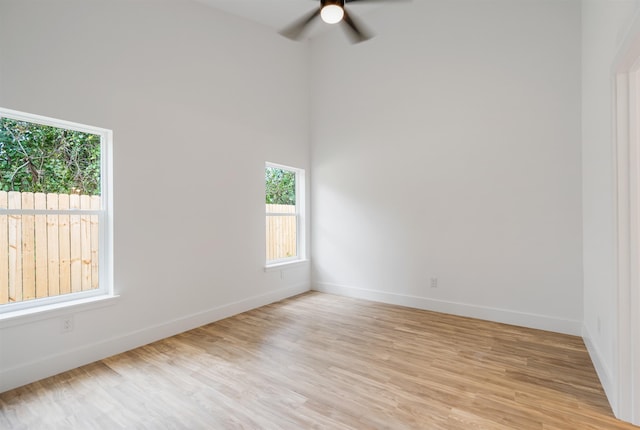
295, 214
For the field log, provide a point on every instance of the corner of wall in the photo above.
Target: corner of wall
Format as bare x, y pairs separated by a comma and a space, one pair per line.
601, 368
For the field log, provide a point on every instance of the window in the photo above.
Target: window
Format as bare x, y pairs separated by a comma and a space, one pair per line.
284, 213
54, 211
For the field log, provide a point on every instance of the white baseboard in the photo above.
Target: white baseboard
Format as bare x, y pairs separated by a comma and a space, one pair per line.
51, 365
603, 371
541, 322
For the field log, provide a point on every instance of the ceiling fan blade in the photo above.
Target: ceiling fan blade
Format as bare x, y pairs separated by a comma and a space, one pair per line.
357, 32
295, 30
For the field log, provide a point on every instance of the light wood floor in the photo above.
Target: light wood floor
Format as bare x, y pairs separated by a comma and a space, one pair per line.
329, 362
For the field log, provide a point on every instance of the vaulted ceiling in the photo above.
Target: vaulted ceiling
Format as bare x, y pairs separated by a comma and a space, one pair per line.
277, 14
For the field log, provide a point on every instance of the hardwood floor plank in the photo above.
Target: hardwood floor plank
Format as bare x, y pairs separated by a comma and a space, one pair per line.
318, 361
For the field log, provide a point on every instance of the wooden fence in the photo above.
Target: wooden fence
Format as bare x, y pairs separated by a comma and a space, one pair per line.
281, 232
47, 255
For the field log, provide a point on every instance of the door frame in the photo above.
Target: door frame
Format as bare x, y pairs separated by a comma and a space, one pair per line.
627, 197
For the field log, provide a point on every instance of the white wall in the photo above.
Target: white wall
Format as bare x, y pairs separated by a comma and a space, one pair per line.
449, 146
604, 26
198, 100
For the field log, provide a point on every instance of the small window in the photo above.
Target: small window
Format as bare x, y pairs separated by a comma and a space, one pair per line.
284, 209
53, 211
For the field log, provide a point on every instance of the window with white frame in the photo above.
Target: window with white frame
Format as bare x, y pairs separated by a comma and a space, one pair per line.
284, 199
54, 211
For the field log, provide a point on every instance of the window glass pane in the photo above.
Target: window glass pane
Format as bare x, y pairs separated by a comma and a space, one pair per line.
45, 159
282, 217
47, 255
280, 186
281, 237
48, 168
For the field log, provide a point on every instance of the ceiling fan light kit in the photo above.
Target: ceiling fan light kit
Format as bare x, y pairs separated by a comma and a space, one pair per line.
331, 12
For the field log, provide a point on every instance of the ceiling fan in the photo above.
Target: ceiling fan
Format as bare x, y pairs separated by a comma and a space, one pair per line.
331, 12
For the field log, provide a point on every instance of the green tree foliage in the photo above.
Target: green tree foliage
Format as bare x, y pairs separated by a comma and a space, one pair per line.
40, 158
280, 186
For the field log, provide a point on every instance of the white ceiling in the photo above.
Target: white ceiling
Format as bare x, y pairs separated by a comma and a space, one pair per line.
277, 14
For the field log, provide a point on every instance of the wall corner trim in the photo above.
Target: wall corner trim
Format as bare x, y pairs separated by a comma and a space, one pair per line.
602, 370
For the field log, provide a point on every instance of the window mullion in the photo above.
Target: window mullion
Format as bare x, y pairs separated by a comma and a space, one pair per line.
281, 214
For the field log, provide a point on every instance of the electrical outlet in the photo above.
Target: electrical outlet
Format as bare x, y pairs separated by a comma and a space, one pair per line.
66, 324
434, 282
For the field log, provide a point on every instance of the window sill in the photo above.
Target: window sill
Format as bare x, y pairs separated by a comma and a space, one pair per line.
26, 316
286, 265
